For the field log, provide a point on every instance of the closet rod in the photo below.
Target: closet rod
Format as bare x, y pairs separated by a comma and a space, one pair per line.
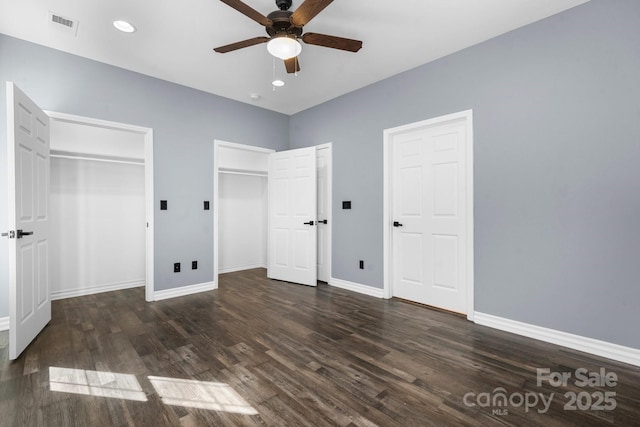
98, 159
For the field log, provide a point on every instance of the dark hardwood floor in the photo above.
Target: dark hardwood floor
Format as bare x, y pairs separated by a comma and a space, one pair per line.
262, 352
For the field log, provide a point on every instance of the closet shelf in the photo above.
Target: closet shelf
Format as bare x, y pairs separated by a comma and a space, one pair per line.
230, 171
95, 157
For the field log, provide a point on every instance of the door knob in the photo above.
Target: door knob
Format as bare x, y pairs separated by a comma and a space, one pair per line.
309, 223
324, 221
396, 224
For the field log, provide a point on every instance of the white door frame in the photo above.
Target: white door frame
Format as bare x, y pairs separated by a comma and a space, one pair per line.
467, 116
329, 146
217, 144
148, 181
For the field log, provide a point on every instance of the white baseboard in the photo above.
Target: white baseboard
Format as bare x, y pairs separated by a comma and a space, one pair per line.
356, 287
4, 323
588, 345
240, 268
183, 291
72, 293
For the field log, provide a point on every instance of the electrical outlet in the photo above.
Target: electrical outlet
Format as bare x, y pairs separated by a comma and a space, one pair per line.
346, 204
206, 205
163, 205
361, 265
176, 267
194, 265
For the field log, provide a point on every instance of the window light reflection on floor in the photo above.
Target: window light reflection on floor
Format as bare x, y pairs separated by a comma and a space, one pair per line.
201, 395
96, 383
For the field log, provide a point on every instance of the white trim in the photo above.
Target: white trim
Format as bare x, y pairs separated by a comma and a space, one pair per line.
98, 289
217, 144
467, 116
577, 342
149, 208
357, 287
240, 268
329, 146
183, 291
90, 121
4, 323
148, 181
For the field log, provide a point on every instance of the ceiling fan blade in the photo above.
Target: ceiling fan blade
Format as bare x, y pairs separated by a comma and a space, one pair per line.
307, 11
292, 65
332, 42
249, 12
240, 45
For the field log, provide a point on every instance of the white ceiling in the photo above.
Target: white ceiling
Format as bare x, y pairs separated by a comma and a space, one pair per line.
174, 40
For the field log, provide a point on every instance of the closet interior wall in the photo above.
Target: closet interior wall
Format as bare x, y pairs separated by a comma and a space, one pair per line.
243, 221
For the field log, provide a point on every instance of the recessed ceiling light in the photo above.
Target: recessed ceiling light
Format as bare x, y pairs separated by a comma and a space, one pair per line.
277, 83
124, 26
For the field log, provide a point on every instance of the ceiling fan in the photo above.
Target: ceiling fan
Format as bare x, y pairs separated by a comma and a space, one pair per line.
285, 29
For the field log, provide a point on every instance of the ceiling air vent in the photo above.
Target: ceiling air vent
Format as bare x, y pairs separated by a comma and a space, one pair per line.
63, 23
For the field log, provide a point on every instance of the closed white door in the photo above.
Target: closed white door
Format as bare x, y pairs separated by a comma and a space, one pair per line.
429, 215
28, 167
292, 216
323, 169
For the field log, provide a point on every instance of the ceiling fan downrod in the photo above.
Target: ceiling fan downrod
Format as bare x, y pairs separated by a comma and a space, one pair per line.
283, 4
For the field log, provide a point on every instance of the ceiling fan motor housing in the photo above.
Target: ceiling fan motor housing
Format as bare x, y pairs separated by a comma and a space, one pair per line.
282, 24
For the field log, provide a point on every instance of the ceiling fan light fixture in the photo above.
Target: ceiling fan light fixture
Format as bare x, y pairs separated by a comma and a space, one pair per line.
277, 83
284, 47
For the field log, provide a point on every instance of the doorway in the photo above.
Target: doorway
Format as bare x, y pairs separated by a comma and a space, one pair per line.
96, 164
242, 171
428, 212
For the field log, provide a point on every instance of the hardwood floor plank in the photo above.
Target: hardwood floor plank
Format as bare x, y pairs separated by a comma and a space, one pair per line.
270, 353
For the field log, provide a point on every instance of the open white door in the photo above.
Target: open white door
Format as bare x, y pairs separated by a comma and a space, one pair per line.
28, 168
292, 250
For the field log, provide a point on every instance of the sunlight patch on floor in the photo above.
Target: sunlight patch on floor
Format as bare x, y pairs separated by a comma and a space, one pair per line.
96, 383
201, 395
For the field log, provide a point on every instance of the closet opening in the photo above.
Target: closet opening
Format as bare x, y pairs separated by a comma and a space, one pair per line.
239, 207
101, 200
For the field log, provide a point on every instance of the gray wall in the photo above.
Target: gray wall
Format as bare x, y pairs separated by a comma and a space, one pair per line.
557, 149
185, 122
557, 167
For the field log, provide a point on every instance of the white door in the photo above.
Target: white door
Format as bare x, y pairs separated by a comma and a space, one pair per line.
292, 216
28, 167
323, 164
429, 215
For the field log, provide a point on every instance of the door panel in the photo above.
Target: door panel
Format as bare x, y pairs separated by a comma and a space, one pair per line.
429, 203
292, 203
28, 167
